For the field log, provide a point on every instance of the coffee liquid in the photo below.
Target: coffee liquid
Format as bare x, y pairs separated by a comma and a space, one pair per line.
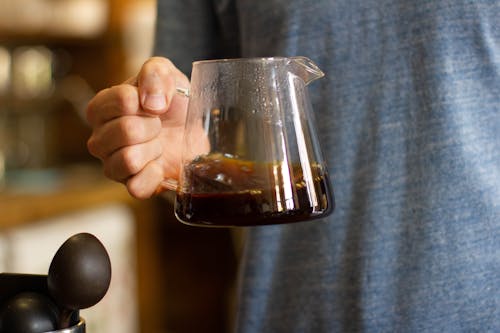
223, 191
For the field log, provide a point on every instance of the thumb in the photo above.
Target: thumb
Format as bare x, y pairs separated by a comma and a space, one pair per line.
157, 85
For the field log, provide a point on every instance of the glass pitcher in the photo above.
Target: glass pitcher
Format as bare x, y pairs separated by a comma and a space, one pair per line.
251, 155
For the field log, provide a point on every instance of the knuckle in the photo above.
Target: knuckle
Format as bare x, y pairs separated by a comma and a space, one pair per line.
127, 98
92, 109
131, 161
136, 190
90, 112
92, 146
131, 129
144, 184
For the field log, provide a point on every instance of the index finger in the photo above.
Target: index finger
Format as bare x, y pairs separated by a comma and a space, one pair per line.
113, 102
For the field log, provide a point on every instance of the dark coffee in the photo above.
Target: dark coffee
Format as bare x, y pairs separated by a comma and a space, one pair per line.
223, 191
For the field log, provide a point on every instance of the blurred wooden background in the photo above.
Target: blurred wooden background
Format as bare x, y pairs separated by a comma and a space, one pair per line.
185, 275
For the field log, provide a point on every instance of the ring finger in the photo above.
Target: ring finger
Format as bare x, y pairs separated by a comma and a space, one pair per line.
130, 160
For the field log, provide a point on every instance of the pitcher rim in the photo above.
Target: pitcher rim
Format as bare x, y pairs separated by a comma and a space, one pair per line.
249, 59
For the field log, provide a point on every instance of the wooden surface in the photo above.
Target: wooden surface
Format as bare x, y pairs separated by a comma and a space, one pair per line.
67, 191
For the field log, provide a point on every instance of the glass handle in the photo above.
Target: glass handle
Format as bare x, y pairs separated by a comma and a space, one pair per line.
167, 185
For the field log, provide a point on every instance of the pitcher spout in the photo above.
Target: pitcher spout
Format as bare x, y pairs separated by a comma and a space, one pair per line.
305, 68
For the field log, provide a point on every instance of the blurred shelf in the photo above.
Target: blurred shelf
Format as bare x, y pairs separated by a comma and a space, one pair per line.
10, 37
47, 20
38, 195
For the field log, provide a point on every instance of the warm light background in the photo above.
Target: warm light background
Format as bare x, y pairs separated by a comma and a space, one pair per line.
54, 56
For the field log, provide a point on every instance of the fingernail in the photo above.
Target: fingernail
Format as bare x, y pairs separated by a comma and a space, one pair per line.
154, 102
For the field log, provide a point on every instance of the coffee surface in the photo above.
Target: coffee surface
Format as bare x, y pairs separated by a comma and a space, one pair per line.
225, 191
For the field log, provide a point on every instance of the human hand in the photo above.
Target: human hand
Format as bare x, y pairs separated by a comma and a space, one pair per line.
137, 127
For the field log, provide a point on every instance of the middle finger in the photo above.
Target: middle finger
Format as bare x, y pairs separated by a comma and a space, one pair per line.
121, 132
